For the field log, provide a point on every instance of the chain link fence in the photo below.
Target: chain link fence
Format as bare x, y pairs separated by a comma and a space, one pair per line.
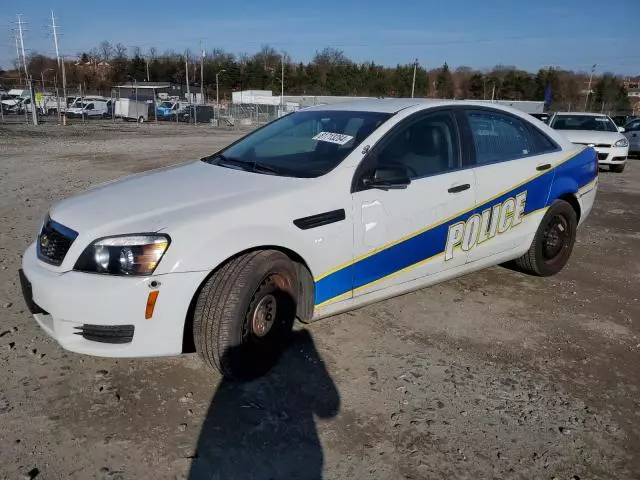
56, 109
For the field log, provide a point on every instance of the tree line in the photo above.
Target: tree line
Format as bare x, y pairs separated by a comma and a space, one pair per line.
330, 72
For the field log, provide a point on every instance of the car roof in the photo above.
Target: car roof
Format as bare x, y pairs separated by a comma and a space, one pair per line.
380, 105
589, 114
394, 105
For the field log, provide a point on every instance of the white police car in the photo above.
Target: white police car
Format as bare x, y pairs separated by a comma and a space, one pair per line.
317, 213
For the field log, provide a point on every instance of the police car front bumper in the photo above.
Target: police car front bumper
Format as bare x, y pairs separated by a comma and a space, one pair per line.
612, 155
104, 315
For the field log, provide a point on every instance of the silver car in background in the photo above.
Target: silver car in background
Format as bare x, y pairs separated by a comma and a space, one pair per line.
632, 132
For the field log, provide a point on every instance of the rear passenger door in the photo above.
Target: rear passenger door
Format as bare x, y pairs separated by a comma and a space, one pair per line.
514, 163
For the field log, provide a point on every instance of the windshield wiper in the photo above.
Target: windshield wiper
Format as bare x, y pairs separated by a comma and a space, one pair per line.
263, 168
230, 162
244, 165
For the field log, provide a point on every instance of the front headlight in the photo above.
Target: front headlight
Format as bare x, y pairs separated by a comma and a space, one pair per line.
623, 142
124, 255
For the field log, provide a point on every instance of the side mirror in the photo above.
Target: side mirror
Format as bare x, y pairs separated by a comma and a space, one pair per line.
621, 129
388, 178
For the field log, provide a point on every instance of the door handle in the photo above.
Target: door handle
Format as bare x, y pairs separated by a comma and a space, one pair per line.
459, 188
543, 167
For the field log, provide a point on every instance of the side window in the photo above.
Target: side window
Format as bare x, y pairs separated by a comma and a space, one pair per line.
499, 137
543, 144
427, 146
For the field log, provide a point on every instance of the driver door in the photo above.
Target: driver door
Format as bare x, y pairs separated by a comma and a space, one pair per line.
400, 234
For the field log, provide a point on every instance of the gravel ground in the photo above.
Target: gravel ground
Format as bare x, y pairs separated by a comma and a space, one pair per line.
493, 375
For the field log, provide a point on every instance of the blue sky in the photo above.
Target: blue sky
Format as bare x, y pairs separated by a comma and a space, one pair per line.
530, 34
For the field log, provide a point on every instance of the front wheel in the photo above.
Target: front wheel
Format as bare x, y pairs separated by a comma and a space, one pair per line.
244, 313
140, 119
617, 168
553, 242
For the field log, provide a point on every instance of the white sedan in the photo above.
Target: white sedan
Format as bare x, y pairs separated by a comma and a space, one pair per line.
598, 131
317, 213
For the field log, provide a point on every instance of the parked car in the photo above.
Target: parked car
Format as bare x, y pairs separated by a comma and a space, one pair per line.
88, 109
543, 117
596, 130
197, 113
632, 132
319, 212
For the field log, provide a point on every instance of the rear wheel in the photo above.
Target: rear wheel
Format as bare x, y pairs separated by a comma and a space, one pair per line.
553, 242
617, 168
140, 119
245, 312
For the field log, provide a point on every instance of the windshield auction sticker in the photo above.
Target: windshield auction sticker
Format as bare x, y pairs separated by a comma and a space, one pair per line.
338, 138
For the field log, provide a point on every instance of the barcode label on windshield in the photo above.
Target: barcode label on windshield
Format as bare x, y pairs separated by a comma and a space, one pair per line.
338, 138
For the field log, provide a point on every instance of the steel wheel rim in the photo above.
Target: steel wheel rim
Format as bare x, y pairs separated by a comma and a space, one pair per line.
264, 315
556, 239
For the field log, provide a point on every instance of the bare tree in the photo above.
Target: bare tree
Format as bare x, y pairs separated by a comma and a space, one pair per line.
106, 50
120, 51
94, 55
330, 56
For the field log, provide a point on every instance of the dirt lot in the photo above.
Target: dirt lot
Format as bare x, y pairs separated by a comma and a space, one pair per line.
494, 375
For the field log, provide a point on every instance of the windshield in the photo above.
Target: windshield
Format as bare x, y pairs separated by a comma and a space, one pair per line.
302, 144
165, 105
583, 122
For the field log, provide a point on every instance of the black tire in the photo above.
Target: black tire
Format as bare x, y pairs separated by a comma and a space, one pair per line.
617, 168
553, 242
228, 312
140, 119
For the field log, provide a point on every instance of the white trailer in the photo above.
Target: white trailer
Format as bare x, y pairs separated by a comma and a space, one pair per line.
128, 109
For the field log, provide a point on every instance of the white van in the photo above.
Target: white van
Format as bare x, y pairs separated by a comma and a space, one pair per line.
88, 109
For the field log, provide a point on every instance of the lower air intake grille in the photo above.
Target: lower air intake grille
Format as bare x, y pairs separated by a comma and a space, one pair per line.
106, 333
602, 156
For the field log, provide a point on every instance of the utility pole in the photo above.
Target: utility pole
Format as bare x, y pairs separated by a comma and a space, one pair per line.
282, 85
201, 73
186, 73
413, 83
18, 56
493, 92
146, 61
586, 100
217, 107
61, 66
34, 112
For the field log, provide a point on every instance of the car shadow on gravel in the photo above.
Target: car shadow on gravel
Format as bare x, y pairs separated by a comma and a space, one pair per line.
265, 429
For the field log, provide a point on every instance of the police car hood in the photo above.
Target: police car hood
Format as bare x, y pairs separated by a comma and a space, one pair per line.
595, 137
160, 199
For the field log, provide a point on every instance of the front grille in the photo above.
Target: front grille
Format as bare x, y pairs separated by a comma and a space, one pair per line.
106, 333
54, 242
602, 156
595, 145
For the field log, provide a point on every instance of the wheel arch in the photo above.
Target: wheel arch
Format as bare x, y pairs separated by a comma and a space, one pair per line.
305, 300
572, 200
